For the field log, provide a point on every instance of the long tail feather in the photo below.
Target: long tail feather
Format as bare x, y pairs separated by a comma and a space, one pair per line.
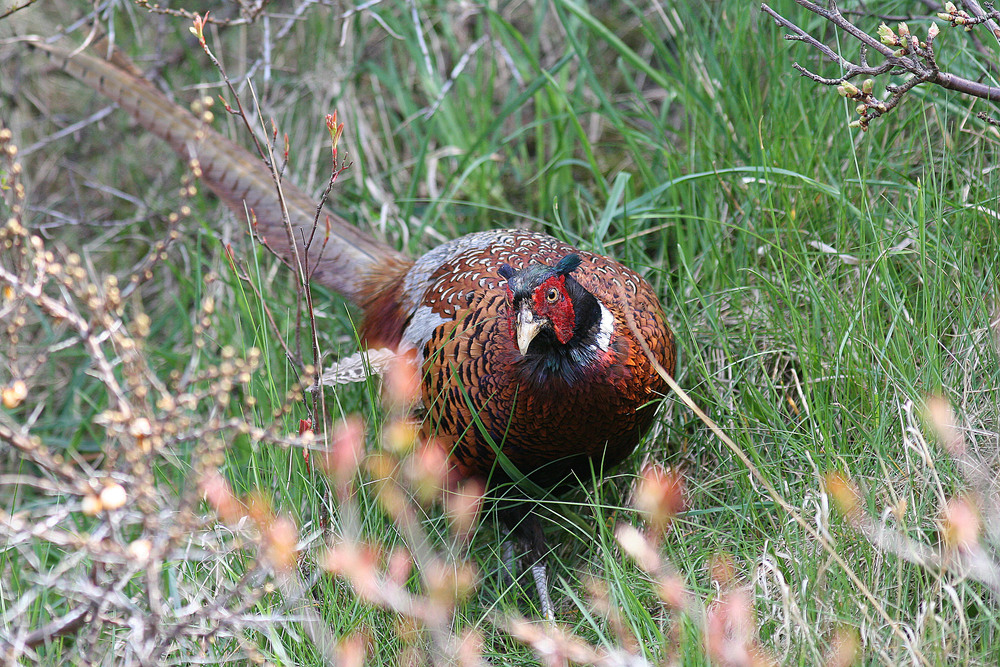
340, 255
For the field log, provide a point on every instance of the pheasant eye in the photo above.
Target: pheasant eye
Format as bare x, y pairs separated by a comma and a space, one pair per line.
552, 295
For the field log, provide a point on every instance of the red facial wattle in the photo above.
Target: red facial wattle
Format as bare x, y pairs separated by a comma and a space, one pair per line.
560, 311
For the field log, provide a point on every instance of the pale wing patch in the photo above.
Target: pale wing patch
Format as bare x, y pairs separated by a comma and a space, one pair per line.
421, 328
358, 367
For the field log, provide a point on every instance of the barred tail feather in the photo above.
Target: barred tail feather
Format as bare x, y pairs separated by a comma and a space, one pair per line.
340, 256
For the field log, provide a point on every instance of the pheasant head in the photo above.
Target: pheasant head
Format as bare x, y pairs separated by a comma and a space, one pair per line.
555, 322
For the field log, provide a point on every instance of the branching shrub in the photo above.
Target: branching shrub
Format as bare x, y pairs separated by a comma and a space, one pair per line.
903, 53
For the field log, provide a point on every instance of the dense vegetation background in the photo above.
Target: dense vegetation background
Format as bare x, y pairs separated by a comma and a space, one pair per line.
822, 283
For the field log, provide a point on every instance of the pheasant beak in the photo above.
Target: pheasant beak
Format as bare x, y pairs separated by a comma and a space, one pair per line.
528, 326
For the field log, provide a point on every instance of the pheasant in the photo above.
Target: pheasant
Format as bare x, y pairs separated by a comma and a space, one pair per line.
522, 339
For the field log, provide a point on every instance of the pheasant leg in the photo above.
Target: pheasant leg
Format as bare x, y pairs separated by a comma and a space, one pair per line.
539, 572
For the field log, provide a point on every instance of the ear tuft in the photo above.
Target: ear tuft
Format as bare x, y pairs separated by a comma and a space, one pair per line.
568, 263
506, 271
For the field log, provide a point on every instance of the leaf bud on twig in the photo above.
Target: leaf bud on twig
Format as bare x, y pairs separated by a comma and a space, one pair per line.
847, 89
887, 36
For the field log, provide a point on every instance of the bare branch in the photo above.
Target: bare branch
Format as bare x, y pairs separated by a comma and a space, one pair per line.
903, 54
978, 15
16, 8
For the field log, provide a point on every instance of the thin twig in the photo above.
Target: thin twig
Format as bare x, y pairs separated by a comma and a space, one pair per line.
902, 53
244, 276
17, 8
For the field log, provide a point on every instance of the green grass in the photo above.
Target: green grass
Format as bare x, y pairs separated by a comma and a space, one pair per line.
689, 150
